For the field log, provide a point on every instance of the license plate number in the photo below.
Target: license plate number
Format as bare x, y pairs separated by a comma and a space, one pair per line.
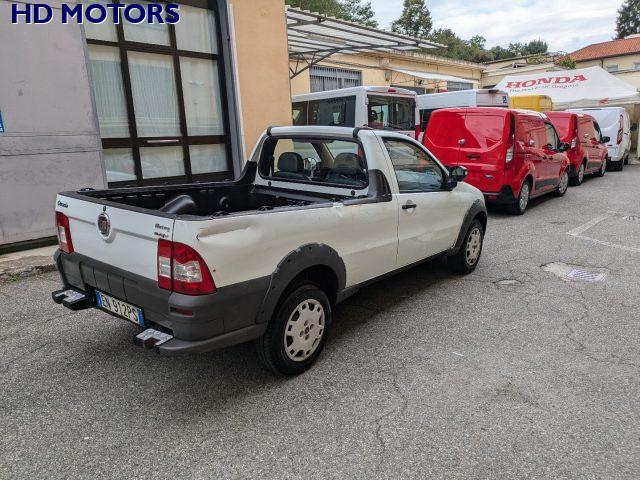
120, 308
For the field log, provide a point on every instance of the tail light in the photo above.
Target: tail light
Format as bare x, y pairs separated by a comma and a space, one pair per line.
620, 130
181, 269
510, 149
64, 233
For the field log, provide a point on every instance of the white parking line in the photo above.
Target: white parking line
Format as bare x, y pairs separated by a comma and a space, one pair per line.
578, 233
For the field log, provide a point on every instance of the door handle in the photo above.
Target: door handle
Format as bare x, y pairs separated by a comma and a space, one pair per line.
409, 205
473, 155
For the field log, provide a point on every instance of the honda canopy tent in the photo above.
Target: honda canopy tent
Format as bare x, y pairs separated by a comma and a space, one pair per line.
585, 87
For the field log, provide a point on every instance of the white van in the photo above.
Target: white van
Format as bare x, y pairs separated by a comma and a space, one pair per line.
614, 123
464, 98
382, 108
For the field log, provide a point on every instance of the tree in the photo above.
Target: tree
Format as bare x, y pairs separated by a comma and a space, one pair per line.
628, 22
535, 47
415, 20
358, 12
352, 10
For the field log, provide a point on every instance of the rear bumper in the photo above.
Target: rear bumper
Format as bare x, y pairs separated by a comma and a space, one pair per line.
504, 197
197, 323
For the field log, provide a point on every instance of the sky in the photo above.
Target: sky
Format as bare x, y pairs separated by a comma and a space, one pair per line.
566, 25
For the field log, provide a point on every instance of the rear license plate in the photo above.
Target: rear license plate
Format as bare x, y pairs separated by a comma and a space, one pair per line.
120, 308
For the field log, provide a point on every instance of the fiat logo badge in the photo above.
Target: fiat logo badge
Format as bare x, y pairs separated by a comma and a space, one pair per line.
104, 224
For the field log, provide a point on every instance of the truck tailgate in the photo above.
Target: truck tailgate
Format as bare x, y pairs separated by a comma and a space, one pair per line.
128, 239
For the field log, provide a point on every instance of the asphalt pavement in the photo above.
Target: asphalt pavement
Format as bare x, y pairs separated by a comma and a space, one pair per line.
528, 368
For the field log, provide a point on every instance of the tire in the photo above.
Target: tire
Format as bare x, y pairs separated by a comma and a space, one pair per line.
467, 258
603, 168
563, 185
617, 166
522, 202
298, 331
626, 159
577, 179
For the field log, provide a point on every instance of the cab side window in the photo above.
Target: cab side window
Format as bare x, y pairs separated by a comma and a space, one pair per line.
415, 170
552, 141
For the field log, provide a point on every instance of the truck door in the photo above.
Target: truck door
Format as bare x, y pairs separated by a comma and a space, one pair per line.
428, 216
444, 135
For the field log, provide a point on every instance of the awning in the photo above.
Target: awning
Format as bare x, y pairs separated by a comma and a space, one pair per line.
313, 38
585, 87
437, 77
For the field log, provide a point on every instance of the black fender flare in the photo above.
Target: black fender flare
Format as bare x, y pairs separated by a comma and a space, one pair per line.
476, 207
302, 258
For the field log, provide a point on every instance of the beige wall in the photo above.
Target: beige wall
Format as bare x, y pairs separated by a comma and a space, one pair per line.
626, 67
376, 71
262, 62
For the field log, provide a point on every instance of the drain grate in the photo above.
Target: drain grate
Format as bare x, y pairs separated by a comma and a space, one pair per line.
585, 275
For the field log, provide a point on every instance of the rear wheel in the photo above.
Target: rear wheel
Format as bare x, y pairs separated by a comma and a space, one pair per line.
603, 168
298, 331
617, 166
578, 178
563, 185
626, 159
467, 258
522, 202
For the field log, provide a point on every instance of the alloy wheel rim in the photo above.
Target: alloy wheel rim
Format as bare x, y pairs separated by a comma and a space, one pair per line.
304, 330
581, 173
564, 182
603, 167
524, 197
474, 246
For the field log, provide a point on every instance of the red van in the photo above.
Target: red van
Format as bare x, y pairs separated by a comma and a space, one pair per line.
588, 152
511, 155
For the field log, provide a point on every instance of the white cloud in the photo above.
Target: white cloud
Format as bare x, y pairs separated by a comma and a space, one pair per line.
566, 26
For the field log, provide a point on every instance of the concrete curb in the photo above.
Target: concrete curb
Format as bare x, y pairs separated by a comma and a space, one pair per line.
15, 266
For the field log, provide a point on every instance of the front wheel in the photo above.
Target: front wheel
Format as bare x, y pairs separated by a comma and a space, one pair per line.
563, 185
466, 259
298, 331
603, 168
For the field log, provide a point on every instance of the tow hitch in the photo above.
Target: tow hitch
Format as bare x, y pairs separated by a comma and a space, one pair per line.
151, 338
72, 299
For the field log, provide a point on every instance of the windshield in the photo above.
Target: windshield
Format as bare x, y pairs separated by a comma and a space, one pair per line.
391, 113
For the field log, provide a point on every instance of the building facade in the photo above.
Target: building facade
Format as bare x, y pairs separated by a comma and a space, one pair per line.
132, 105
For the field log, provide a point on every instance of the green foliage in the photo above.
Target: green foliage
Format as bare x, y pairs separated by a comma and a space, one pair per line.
359, 12
352, 10
628, 22
566, 62
415, 19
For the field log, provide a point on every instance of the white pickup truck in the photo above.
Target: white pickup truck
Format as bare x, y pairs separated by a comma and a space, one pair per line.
318, 213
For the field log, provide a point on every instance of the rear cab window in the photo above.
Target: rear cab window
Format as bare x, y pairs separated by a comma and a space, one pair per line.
331, 162
415, 169
332, 112
391, 113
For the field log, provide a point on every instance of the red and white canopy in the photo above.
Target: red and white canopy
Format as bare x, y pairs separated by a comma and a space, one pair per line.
585, 87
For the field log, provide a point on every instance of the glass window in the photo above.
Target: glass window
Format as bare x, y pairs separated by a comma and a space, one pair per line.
323, 161
154, 94
551, 136
415, 170
333, 112
636, 66
161, 162
483, 131
119, 165
299, 110
156, 33
108, 90
196, 30
100, 31
202, 97
391, 113
208, 158
612, 68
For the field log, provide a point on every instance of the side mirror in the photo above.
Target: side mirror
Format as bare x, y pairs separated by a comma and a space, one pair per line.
563, 147
605, 140
456, 175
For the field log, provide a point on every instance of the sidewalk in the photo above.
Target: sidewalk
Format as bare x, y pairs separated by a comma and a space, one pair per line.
26, 263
